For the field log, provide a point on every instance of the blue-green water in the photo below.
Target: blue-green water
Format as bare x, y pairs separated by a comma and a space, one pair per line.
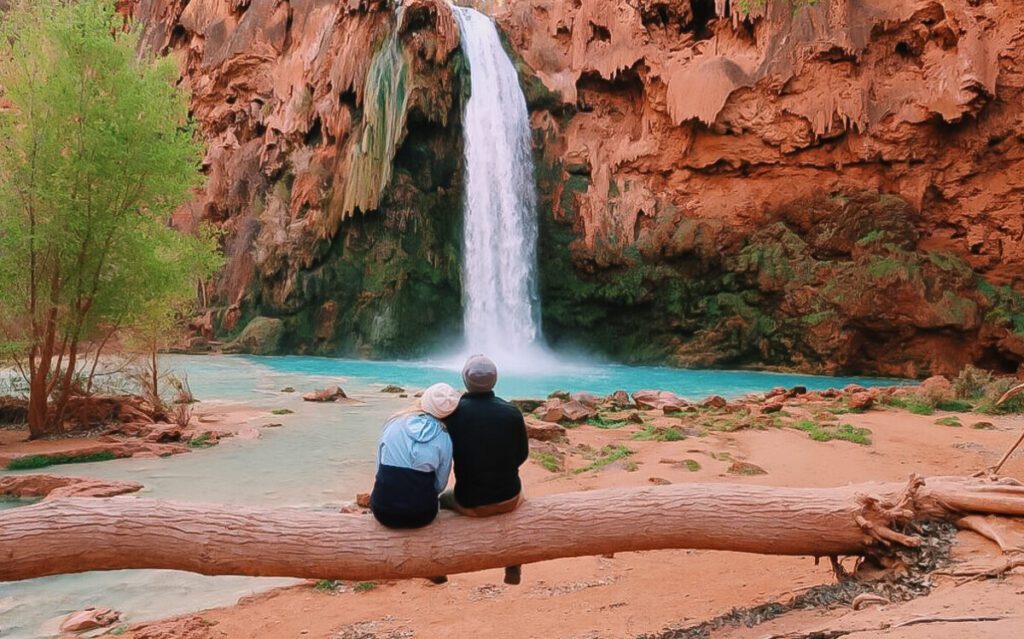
321, 456
240, 377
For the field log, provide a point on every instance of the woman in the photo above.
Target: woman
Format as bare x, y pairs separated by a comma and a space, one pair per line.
414, 458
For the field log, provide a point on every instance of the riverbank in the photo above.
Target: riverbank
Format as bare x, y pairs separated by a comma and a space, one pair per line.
636, 594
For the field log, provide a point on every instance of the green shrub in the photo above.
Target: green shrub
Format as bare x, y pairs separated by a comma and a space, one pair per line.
201, 441
949, 421
327, 585
364, 586
971, 382
691, 465
996, 390
282, 411
650, 432
955, 406
600, 421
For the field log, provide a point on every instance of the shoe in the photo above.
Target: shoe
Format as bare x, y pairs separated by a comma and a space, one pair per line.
513, 575
438, 580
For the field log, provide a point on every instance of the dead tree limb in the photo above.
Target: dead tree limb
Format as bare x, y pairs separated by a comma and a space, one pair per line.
75, 535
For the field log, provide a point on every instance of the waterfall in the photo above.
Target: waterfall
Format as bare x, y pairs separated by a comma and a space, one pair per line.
501, 304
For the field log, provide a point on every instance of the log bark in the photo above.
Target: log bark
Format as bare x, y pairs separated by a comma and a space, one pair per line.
80, 534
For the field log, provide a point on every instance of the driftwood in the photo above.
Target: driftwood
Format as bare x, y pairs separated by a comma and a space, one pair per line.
75, 534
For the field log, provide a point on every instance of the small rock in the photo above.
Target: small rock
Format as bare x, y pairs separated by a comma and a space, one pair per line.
983, 426
671, 409
363, 500
391, 388
850, 389
861, 401
745, 469
551, 411
543, 431
404, 395
89, 619
620, 399
831, 393
659, 481
329, 394
634, 418
775, 392
715, 401
796, 390
288, 389
274, 425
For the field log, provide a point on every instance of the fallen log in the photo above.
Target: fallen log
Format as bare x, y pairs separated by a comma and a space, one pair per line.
76, 535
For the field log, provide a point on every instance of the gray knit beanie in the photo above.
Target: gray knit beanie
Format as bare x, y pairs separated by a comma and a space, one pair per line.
479, 374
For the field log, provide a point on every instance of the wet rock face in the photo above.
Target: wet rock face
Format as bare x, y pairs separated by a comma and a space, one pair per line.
333, 164
832, 188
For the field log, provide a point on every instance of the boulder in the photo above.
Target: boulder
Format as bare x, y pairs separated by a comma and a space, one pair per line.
261, 336
861, 401
775, 392
937, 388
774, 404
656, 400
550, 411
543, 431
527, 405
635, 418
329, 394
796, 390
575, 411
587, 399
715, 401
89, 619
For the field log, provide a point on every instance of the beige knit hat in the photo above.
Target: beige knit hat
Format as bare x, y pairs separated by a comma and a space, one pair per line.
440, 400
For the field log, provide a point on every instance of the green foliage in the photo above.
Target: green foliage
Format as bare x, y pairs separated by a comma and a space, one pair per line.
607, 455
914, 404
201, 441
691, 465
993, 392
282, 411
651, 432
949, 421
364, 586
954, 405
971, 382
327, 585
550, 462
828, 432
96, 153
870, 237
600, 421
1007, 306
32, 462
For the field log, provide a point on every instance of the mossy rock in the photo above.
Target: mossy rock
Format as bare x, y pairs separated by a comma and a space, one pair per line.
261, 336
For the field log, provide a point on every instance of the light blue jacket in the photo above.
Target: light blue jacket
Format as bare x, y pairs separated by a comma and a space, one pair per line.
417, 441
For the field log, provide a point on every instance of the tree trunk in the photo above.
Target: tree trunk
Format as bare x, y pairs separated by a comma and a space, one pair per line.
76, 535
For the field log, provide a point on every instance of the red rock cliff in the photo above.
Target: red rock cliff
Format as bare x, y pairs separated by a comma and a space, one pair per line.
830, 187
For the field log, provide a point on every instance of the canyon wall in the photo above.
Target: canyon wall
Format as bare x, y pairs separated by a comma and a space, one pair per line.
837, 187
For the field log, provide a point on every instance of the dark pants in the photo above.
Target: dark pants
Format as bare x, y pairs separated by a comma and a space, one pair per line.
403, 520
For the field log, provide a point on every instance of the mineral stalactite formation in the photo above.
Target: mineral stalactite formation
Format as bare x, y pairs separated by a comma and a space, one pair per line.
829, 187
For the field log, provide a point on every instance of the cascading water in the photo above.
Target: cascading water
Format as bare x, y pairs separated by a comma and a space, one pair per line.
501, 304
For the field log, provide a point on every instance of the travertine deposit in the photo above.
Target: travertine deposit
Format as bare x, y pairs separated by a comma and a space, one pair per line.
835, 187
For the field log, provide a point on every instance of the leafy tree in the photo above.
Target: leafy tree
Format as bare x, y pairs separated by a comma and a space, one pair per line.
96, 152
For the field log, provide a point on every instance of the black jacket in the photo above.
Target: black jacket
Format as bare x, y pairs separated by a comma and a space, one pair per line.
488, 444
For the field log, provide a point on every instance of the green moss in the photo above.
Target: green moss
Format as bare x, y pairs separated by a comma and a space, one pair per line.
949, 421
954, 406
282, 411
550, 462
201, 441
607, 455
41, 461
651, 432
691, 465
364, 586
600, 421
828, 432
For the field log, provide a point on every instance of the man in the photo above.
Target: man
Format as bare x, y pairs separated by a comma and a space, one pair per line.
489, 445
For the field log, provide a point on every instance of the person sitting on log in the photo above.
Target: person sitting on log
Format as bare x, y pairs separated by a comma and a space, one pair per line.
414, 459
490, 444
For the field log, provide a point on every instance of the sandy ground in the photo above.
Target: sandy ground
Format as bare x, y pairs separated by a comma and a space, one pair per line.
648, 592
